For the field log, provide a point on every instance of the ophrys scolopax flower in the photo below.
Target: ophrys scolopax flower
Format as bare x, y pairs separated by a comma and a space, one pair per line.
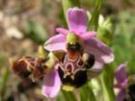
83, 52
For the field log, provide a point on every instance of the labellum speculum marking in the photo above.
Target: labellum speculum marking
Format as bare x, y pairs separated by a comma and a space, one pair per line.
74, 66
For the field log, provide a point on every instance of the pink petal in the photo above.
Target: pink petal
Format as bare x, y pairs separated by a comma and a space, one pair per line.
103, 54
56, 43
95, 70
55, 39
121, 75
56, 47
52, 84
88, 35
62, 31
77, 20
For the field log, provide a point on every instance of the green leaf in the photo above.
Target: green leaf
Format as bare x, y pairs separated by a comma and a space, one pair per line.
105, 31
3, 82
36, 32
94, 20
86, 93
95, 14
69, 96
60, 97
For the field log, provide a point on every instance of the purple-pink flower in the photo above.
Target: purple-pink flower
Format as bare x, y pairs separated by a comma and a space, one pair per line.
52, 84
125, 84
122, 82
77, 24
77, 20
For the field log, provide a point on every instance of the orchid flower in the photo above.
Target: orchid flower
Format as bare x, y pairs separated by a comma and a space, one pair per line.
37, 69
126, 90
77, 20
122, 82
74, 42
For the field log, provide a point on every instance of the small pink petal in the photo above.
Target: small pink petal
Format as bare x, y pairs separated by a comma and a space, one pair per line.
98, 67
55, 39
101, 51
56, 47
62, 31
121, 75
95, 70
52, 84
77, 20
56, 43
88, 35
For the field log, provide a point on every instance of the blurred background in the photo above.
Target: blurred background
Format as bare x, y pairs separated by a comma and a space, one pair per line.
26, 24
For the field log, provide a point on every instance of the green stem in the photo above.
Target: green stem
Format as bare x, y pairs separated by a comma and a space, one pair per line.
95, 15
107, 84
86, 93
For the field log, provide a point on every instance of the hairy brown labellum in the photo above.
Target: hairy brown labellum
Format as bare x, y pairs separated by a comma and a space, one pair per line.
26, 66
73, 68
20, 68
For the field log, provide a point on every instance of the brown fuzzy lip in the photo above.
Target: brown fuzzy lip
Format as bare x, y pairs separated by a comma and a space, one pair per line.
20, 68
73, 71
26, 66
